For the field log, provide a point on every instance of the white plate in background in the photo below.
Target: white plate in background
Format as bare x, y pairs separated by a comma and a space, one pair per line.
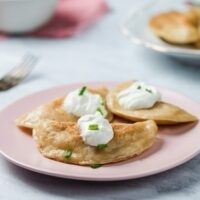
135, 27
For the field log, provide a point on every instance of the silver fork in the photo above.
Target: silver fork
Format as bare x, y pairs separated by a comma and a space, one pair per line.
18, 73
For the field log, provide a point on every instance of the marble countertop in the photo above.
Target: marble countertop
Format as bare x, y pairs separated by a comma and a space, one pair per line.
100, 53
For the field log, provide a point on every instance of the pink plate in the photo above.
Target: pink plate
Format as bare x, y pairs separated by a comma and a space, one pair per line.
174, 146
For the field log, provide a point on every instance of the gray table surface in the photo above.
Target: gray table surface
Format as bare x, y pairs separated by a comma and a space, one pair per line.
100, 53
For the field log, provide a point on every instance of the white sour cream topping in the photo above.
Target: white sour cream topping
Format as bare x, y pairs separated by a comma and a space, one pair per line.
138, 96
95, 129
84, 104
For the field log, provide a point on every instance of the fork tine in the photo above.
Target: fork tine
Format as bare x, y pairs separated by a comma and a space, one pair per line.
24, 67
15, 76
24, 63
25, 72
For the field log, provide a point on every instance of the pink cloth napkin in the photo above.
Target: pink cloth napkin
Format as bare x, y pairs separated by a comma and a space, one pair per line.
71, 17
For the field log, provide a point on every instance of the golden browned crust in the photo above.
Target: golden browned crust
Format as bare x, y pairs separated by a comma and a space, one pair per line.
54, 111
53, 138
161, 112
176, 27
117, 119
193, 14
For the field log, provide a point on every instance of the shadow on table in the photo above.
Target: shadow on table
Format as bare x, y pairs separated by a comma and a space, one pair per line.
181, 179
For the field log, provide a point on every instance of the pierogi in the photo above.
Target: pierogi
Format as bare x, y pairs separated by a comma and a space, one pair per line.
161, 112
54, 111
61, 141
177, 27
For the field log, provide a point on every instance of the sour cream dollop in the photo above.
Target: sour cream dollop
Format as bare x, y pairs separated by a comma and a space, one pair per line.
138, 96
82, 102
95, 129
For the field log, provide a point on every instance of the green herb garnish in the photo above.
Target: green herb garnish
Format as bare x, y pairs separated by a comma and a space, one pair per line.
93, 127
82, 90
139, 87
95, 166
148, 90
99, 110
103, 102
101, 146
67, 153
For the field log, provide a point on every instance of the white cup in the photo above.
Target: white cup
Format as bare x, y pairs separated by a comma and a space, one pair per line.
20, 16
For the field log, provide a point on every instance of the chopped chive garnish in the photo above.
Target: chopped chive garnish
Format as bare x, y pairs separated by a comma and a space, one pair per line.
101, 146
93, 127
94, 166
99, 110
82, 90
103, 102
139, 87
148, 90
67, 153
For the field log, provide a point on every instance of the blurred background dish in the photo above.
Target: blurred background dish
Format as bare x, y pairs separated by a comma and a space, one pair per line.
17, 16
135, 27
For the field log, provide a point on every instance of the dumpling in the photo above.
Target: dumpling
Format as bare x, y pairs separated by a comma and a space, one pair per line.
161, 112
54, 139
54, 111
176, 27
